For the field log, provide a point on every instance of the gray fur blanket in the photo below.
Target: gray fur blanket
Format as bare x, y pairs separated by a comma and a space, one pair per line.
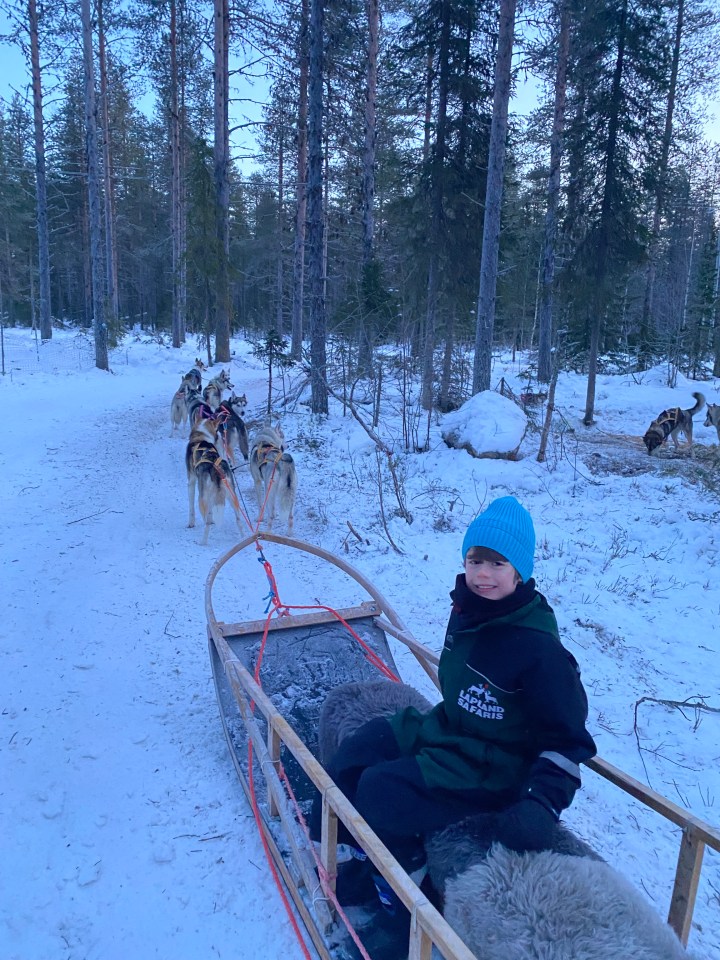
350, 705
548, 906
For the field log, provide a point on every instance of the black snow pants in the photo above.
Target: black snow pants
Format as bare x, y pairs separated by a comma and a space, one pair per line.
389, 792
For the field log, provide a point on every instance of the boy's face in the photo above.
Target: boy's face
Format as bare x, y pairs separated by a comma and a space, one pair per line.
493, 579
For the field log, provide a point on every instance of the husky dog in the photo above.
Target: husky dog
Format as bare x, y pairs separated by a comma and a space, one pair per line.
713, 417
273, 473
194, 377
213, 392
178, 406
671, 423
199, 364
196, 407
212, 476
230, 413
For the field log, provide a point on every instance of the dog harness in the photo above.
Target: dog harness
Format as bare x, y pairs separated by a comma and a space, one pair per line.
265, 451
205, 452
668, 420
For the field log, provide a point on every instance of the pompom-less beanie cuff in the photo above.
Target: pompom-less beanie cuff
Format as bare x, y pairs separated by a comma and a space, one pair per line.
506, 527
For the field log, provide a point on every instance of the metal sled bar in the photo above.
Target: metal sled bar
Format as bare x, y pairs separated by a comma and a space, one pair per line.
426, 921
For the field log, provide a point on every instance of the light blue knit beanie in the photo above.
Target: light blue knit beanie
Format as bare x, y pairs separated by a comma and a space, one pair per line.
507, 528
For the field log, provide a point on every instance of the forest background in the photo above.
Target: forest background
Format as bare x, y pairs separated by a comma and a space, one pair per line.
374, 188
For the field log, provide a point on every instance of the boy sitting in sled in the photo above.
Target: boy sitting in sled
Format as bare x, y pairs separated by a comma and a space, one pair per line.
507, 737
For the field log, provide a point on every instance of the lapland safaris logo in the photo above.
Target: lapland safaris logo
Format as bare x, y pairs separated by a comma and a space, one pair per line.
479, 701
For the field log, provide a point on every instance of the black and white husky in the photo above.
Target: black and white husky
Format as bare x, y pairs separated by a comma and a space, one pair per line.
274, 475
210, 474
672, 422
230, 413
213, 392
197, 408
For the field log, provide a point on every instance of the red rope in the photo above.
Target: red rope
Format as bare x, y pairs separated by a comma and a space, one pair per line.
271, 862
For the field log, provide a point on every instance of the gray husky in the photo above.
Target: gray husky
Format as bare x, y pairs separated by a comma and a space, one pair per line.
274, 475
713, 417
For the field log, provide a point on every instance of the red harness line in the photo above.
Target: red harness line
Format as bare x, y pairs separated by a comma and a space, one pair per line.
283, 610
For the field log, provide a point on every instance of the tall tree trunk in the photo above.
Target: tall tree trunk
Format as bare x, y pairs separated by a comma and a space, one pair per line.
222, 183
370, 272
301, 192
315, 212
645, 353
545, 313
607, 211
716, 313
482, 366
112, 306
279, 279
40, 178
91, 139
182, 198
437, 226
175, 182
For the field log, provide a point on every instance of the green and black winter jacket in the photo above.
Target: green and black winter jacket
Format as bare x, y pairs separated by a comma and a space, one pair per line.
512, 718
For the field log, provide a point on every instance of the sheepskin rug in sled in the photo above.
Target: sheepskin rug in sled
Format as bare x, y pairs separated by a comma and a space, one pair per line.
547, 906
350, 705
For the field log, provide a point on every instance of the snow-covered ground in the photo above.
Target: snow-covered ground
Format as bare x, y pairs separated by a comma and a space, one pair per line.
124, 829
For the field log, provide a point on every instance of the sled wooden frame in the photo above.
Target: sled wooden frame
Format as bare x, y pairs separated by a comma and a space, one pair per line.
427, 926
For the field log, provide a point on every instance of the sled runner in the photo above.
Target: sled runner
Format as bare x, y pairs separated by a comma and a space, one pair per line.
272, 676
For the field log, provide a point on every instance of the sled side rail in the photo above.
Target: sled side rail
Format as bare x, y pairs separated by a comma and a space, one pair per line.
696, 835
427, 927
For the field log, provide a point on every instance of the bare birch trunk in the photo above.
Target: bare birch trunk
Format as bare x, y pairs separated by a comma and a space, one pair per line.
98, 300
482, 366
222, 185
545, 319
315, 212
40, 178
301, 213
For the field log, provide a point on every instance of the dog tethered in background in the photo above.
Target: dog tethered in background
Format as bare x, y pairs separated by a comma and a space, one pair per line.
670, 423
713, 417
210, 474
274, 475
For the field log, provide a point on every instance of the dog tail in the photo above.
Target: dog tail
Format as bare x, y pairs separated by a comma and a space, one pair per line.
699, 404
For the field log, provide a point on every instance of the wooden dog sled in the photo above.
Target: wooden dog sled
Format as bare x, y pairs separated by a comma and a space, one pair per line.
271, 677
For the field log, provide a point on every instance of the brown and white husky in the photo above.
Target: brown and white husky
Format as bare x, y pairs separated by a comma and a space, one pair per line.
210, 474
